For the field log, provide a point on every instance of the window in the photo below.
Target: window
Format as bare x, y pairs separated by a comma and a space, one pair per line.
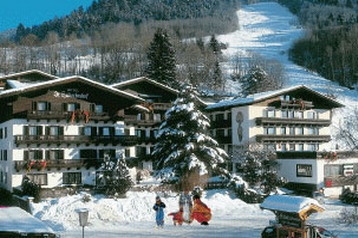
283, 130
98, 109
290, 114
54, 154
298, 114
140, 151
292, 131
311, 115
299, 130
33, 155
127, 152
106, 131
140, 133
292, 147
72, 178
312, 131
270, 130
300, 147
32, 130
4, 155
304, 170
333, 170
220, 133
219, 117
109, 153
311, 147
70, 107
43, 106
54, 130
271, 113
284, 113
88, 154
38, 178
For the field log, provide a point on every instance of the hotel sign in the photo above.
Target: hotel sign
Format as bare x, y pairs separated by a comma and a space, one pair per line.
290, 219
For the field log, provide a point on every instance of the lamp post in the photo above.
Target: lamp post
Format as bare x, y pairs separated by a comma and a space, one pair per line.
83, 218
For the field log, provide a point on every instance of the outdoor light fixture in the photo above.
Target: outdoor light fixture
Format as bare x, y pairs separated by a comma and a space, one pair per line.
83, 218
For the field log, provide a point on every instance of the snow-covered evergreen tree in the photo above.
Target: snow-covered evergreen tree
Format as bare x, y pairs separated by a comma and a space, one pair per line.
184, 145
115, 176
259, 168
258, 80
161, 60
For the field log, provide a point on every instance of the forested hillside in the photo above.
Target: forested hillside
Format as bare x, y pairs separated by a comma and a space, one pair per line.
330, 46
83, 22
109, 41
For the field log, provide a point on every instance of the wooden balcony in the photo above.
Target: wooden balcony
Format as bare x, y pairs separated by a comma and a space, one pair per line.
64, 115
133, 119
293, 138
291, 121
301, 104
161, 106
41, 165
125, 140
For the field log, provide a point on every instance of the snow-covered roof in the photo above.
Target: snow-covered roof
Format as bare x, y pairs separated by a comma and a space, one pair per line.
16, 84
27, 72
143, 79
59, 81
14, 219
292, 204
258, 97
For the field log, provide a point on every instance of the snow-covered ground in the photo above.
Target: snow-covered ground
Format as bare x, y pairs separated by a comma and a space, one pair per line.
134, 217
268, 29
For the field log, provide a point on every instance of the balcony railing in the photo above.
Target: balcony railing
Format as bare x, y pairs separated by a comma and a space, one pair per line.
301, 104
64, 115
133, 119
340, 181
39, 165
75, 139
293, 138
291, 121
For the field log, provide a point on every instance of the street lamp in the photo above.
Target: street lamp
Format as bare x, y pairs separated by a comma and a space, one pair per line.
83, 218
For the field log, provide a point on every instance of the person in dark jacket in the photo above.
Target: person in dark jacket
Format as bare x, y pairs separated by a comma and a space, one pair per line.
159, 212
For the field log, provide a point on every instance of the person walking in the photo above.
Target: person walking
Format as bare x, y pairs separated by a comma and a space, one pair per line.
159, 212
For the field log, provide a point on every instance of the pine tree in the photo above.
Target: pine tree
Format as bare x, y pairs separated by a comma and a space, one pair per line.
161, 56
115, 176
184, 147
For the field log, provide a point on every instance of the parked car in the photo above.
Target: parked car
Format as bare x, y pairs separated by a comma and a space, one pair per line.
312, 232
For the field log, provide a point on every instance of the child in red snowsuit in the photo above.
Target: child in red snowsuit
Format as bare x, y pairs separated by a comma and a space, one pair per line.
201, 212
177, 217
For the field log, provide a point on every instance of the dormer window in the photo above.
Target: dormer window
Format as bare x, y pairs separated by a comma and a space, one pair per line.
98, 109
41, 106
70, 107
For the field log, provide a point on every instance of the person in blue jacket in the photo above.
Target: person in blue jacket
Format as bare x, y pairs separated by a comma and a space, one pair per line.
159, 212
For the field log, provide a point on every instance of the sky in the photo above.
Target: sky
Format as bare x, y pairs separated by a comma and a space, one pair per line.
34, 12
265, 28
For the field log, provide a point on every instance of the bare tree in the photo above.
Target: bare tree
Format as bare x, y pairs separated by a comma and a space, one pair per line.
346, 130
